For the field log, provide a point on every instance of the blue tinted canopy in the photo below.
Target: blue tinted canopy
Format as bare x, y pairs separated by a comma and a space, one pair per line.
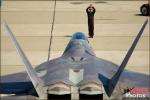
79, 35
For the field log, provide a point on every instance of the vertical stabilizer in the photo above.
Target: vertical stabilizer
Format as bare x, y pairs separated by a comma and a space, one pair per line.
110, 84
37, 82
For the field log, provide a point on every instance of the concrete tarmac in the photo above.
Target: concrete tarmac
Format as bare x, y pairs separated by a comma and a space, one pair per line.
116, 25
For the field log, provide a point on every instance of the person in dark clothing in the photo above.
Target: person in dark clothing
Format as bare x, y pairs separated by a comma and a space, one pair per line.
90, 13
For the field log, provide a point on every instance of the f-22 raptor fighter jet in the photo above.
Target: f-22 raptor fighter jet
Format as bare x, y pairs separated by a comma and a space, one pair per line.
77, 74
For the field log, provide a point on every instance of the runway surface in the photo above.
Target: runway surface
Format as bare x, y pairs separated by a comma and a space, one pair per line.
116, 25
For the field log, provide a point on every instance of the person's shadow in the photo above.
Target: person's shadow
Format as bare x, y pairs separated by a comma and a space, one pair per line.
67, 36
138, 15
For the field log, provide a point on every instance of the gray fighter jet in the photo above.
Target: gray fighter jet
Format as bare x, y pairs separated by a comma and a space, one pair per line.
77, 74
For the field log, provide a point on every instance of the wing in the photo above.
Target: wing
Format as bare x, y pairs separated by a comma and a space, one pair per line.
23, 97
134, 80
130, 80
17, 88
18, 83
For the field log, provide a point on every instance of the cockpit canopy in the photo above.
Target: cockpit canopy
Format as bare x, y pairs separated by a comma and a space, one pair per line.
79, 35
79, 44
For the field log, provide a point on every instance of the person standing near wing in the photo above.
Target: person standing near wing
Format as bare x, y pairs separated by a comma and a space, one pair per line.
90, 13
